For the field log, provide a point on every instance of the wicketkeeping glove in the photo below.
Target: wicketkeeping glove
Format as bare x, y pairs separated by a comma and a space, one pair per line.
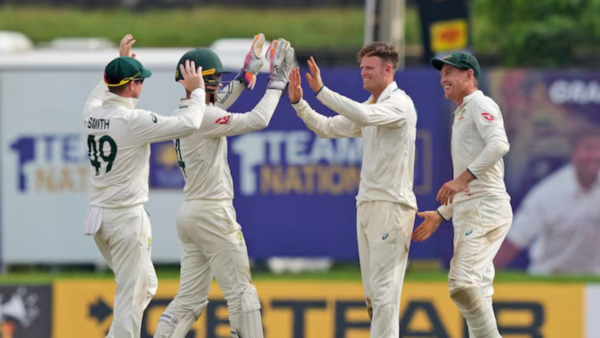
281, 57
252, 64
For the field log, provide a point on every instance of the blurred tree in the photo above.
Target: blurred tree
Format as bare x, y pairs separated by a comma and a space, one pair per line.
129, 3
540, 33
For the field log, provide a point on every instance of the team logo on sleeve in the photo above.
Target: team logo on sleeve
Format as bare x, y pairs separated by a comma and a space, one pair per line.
154, 119
488, 117
223, 120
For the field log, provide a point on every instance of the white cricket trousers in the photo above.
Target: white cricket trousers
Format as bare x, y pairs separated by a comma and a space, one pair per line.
212, 244
384, 233
480, 226
125, 239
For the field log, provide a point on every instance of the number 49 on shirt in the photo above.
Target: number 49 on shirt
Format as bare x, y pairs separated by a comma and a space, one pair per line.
96, 152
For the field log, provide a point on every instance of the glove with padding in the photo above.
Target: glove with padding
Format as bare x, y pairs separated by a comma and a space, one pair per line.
252, 64
281, 57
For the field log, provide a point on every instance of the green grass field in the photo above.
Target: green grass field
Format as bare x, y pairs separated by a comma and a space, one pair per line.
305, 28
338, 273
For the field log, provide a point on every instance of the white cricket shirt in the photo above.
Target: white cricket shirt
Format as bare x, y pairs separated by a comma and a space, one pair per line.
118, 139
202, 156
560, 221
479, 143
388, 129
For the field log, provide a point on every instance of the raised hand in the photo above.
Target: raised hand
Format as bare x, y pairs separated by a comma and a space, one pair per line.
192, 78
252, 64
314, 78
281, 57
295, 88
125, 46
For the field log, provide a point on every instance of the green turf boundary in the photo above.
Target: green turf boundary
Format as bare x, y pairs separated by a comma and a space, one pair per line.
335, 276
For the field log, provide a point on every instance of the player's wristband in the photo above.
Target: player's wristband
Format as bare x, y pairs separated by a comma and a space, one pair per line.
318, 91
470, 172
439, 213
246, 78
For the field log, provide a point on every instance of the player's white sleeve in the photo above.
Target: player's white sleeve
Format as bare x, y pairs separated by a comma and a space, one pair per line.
446, 211
229, 95
389, 112
326, 127
218, 122
528, 222
490, 124
96, 97
148, 127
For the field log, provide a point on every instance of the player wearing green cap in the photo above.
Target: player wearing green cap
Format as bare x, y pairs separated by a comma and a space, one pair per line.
118, 140
476, 198
211, 238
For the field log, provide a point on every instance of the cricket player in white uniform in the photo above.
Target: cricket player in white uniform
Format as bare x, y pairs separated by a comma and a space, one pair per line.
476, 197
211, 238
386, 204
118, 140
559, 220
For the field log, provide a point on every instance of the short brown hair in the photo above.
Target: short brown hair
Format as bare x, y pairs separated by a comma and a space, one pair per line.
118, 89
383, 50
582, 130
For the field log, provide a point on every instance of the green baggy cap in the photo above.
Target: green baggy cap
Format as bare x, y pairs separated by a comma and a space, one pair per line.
124, 69
460, 60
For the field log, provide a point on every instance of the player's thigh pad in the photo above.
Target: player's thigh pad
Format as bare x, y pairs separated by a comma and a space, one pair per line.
251, 323
171, 326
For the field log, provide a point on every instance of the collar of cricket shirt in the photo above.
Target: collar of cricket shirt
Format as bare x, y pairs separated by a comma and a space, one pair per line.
128, 102
385, 94
466, 100
184, 103
470, 97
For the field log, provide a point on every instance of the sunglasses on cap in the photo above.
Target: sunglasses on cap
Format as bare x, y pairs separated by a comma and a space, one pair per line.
125, 80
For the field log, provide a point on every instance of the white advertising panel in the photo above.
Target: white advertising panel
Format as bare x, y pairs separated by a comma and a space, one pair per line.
44, 168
